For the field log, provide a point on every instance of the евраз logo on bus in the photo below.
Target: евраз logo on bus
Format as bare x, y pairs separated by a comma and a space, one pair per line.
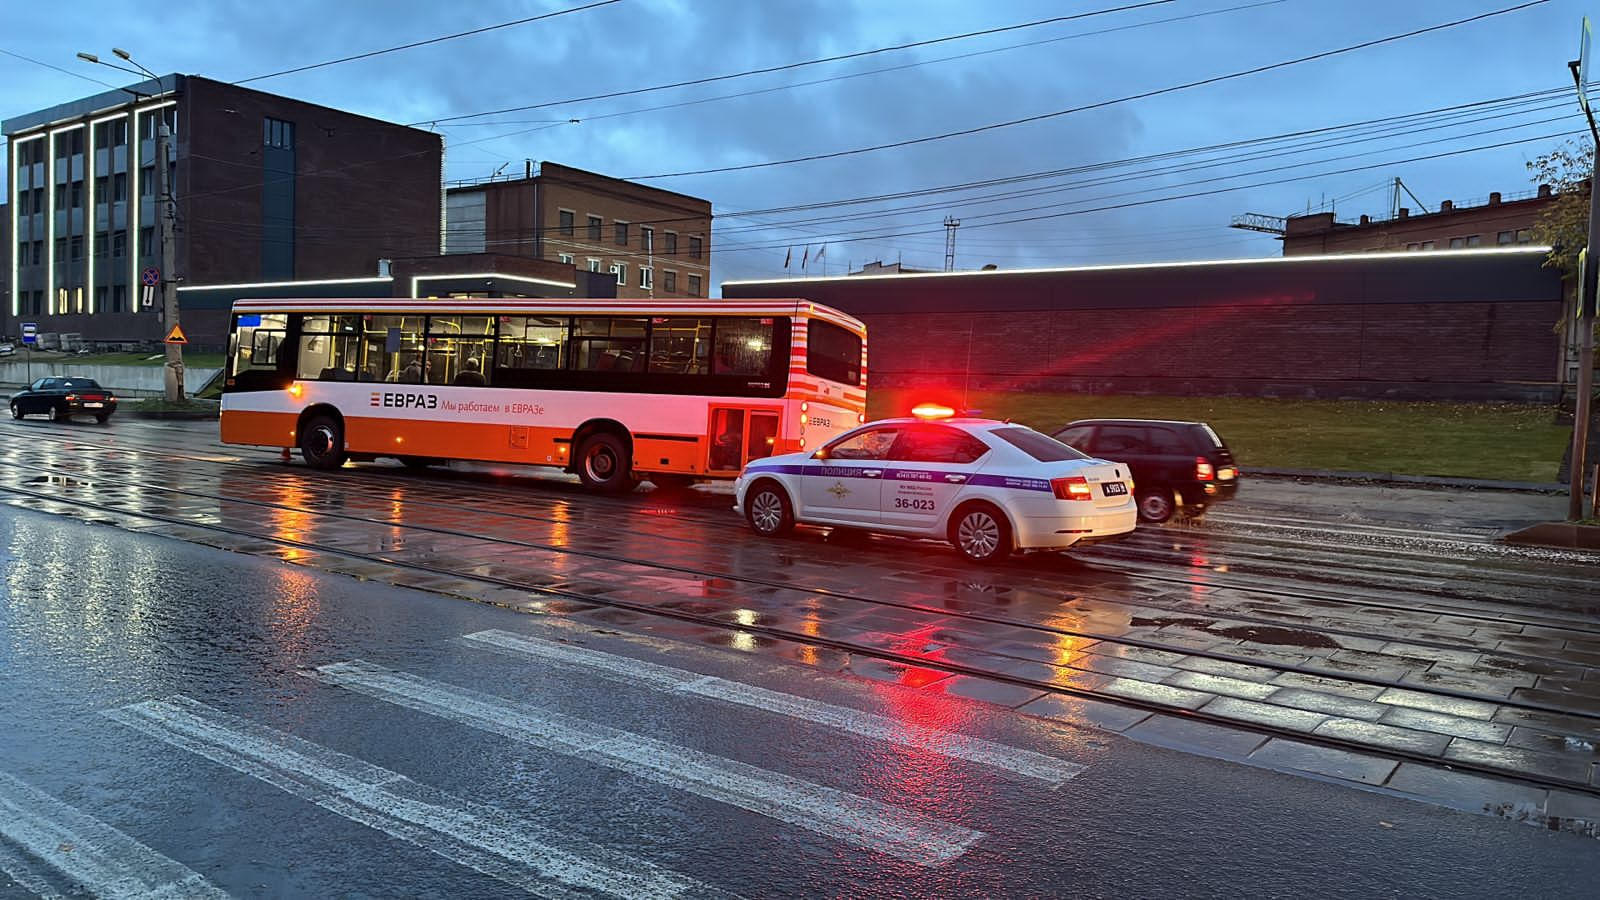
404, 400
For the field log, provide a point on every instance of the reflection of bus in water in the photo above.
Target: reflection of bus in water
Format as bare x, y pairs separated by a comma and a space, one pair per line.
614, 390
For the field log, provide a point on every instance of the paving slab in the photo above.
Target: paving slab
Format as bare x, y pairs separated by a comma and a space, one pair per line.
1330, 761
1441, 723
1383, 737
1499, 756
1455, 706
1189, 734
1264, 714
1332, 704
1082, 710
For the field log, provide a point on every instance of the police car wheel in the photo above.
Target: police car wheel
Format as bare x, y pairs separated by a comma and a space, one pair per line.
981, 534
322, 443
768, 512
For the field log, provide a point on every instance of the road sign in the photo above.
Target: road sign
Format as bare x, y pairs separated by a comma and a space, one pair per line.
175, 336
30, 333
150, 277
149, 296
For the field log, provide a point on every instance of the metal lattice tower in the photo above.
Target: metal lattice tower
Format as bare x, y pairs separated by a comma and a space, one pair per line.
951, 223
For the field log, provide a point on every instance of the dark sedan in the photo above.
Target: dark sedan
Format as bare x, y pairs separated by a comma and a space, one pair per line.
63, 398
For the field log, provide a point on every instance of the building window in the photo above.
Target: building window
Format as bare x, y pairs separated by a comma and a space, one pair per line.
61, 248
596, 227
567, 222
1474, 240
1413, 246
147, 181
647, 238
1427, 245
102, 244
23, 198
647, 277
22, 253
77, 195
61, 196
277, 133
102, 190
620, 272
1524, 235
696, 248
671, 243
566, 258
1506, 237
147, 240
38, 200
119, 298
119, 187
594, 264
38, 253
119, 244
694, 285
622, 234
77, 142
669, 281
101, 293
77, 247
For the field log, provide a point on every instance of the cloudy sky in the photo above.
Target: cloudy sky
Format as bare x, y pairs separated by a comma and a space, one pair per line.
1107, 184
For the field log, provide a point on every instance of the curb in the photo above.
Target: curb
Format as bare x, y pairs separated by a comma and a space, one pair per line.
1562, 535
1439, 481
173, 414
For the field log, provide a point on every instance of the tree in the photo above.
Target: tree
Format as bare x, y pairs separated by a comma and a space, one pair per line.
1564, 225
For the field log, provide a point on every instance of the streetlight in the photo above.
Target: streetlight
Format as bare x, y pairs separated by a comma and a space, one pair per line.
169, 214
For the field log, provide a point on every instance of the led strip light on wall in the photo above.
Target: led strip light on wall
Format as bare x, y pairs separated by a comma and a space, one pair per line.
136, 199
16, 221
92, 171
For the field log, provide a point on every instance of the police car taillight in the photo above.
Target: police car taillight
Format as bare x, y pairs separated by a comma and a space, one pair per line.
1074, 488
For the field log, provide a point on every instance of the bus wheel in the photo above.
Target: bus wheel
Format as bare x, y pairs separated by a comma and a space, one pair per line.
322, 442
603, 464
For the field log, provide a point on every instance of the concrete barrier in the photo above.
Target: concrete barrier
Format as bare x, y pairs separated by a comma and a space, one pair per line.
131, 380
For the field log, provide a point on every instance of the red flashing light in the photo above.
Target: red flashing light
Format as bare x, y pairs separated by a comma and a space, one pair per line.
932, 411
1203, 470
1072, 488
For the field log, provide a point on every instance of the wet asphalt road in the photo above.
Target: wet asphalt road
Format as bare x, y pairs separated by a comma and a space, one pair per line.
499, 775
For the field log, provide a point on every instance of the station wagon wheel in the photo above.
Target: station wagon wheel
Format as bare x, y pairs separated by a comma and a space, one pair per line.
322, 442
768, 511
1156, 505
981, 533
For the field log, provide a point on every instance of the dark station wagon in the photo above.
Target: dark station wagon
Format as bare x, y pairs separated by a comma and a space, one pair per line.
1176, 465
63, 398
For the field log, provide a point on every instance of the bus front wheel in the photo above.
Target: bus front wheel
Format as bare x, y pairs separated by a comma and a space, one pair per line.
322, 442
603, 464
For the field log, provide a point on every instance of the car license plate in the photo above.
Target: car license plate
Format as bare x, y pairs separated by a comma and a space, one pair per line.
1114, 488
93, 405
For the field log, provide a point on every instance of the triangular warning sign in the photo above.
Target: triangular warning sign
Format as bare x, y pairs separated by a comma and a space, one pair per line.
175, 336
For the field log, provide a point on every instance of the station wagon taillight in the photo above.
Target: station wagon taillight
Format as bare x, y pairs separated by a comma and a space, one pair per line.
1203, 470
1073, 488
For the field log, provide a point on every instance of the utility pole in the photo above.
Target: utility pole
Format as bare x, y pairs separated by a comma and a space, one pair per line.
169, 259
951, 223
1585, 307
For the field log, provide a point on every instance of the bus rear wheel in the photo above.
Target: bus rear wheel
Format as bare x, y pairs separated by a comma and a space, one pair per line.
602, 464
322, 442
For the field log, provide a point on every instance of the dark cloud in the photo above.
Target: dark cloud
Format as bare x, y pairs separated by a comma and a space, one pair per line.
641, 42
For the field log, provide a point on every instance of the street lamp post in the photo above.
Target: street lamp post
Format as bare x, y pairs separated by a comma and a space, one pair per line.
167, 215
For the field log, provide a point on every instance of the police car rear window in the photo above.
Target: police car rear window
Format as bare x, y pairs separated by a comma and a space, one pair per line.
1036, 445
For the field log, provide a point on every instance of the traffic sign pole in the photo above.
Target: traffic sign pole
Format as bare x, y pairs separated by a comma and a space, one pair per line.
169, 259
1586, 318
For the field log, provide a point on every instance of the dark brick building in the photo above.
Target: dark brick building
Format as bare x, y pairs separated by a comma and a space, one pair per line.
268, 189
1468, 325
653, 242
1494, 223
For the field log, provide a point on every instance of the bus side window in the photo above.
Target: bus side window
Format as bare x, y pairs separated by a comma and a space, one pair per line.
532, 342
744, 346
258, 344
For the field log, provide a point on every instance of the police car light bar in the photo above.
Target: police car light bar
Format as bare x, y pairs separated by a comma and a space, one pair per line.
932, 411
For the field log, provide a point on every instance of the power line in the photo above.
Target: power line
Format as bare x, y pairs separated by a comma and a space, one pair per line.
880, 71
1097, 105
435, 40
58, 69
858, 54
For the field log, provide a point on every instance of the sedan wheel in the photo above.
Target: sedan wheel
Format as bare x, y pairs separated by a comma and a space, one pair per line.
16, 411
982, 535
768, 511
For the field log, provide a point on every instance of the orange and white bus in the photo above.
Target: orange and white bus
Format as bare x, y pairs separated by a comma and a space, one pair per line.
613, 390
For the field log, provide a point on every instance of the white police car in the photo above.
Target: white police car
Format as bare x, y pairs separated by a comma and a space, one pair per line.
990, 488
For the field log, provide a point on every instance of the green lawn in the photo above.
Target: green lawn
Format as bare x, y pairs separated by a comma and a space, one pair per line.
1513, 443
